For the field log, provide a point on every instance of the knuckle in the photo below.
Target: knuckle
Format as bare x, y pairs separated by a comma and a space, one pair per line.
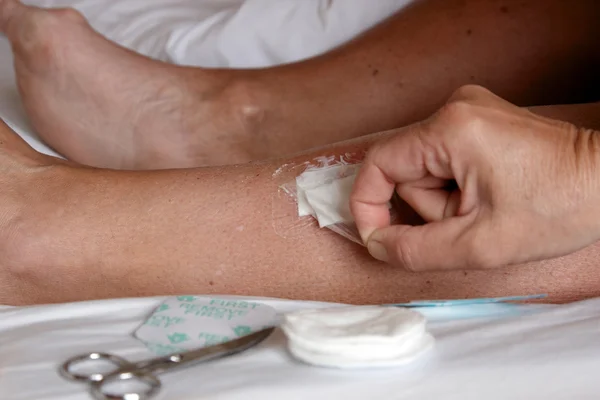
470, 91
371, 153
374, 157
462, 120
375, 149
458, 112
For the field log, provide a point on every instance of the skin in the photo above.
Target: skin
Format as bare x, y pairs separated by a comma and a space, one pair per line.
399, 72
509, 169
65, 238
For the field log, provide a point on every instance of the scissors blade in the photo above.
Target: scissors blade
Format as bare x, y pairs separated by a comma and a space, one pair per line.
227, 348
204, 354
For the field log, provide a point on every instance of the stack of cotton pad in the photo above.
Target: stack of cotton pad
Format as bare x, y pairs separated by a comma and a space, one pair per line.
357, 337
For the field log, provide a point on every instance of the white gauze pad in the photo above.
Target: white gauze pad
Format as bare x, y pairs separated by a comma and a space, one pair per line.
330, 202
324, 193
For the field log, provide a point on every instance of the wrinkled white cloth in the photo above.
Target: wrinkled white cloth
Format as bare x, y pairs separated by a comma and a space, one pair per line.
357, 337
551, 354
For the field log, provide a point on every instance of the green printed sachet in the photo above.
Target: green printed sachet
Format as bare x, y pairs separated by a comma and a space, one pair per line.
186, 323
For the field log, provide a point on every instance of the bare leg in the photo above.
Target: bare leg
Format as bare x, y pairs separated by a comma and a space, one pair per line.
102, 105
69, 233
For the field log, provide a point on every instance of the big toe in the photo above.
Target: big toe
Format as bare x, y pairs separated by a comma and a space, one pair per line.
9, 11
19, 21
36, 34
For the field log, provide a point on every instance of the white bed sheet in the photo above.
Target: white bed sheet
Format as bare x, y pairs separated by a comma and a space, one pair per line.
552, 354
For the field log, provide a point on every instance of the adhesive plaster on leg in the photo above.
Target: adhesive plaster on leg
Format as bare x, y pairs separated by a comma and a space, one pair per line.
327, 200
292, 215
312, 179
331, 202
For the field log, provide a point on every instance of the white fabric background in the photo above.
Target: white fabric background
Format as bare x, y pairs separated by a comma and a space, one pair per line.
550, 355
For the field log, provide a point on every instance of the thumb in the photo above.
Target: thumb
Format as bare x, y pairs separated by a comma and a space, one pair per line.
433, 246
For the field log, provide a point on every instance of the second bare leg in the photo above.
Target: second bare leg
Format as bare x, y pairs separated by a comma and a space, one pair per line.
102, 105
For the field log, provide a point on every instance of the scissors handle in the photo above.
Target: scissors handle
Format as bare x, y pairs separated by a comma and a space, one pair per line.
99, 382
145, 371
66, 370
100, 390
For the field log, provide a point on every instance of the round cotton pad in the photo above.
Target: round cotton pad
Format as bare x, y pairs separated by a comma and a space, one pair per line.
357, 337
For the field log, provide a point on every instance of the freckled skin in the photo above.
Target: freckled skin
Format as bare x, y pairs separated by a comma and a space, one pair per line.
144, 246
65, 238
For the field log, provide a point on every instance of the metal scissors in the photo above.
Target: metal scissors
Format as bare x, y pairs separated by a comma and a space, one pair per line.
145, 371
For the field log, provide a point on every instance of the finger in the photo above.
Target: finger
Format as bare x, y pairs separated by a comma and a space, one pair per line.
400, 159
429, 247
431, 204
369, 200
432, 198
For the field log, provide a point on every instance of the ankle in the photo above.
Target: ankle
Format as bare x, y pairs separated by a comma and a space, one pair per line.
244, 105
251, 106
225, 103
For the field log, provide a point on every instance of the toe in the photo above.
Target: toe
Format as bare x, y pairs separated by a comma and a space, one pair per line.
17, 18
38, 36
9, 10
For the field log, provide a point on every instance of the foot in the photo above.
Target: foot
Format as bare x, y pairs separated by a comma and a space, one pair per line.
102, 105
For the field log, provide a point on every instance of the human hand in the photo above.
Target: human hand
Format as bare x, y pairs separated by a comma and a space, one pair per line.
496, 184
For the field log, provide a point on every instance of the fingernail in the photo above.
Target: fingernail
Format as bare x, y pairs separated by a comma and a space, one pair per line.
377, 250
365, 235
